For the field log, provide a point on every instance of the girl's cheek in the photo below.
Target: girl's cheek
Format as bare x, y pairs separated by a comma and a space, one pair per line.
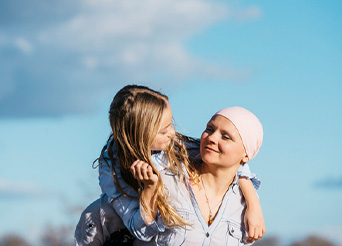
173, 132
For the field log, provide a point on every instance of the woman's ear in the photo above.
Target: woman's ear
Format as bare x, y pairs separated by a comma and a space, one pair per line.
245, 159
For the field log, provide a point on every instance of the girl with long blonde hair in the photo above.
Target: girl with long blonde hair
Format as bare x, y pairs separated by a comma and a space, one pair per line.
141, 121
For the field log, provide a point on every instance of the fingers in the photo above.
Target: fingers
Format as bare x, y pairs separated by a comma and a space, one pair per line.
263, 231
255, 233
150, 172
133, 168
250, 233
141, 170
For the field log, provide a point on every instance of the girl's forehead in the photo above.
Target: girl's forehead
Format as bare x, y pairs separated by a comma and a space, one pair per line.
167, 116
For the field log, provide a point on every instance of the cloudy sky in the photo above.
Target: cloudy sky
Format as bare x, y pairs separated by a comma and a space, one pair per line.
61, 62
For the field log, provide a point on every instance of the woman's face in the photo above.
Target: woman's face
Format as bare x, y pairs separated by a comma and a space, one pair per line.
166, 131
221, 143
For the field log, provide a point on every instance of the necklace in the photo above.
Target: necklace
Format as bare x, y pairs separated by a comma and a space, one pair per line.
207, 200
211, 217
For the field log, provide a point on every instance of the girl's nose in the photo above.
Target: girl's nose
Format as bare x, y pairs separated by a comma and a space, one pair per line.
172, 132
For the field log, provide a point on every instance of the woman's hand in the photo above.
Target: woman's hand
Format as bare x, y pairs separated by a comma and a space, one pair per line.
254, 222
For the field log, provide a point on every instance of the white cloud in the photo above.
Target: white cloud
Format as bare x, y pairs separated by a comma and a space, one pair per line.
24, 45
131, 33
19, 189
90, 62
249, 13
80, 48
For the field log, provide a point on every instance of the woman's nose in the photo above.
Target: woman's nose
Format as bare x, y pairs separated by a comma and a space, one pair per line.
212, 137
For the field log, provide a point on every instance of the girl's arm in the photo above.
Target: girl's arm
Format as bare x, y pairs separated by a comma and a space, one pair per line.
254, 220
143, 172
127, 208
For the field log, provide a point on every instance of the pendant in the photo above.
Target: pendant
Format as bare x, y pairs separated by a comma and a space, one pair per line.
210, 221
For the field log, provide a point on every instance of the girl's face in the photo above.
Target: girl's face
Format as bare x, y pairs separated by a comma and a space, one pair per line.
221, 143
166, 131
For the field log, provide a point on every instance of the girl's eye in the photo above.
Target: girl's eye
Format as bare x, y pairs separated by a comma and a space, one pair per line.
225, 137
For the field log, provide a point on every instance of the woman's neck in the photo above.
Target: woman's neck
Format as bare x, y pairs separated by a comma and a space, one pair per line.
210, 191
217, 180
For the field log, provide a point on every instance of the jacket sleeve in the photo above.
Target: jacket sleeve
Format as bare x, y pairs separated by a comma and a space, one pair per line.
244, 171
129, 211
127, 208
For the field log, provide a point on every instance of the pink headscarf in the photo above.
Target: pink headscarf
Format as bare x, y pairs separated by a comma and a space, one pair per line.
249, 127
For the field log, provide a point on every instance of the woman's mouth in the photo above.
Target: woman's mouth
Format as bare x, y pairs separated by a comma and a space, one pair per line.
211, 149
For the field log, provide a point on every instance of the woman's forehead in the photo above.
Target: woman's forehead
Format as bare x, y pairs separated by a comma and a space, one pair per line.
222, 123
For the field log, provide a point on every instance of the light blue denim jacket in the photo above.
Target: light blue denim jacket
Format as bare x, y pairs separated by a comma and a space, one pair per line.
99, 220
128, 209
226, 229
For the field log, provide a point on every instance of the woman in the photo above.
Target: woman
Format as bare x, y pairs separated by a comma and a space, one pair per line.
141, 122
214, 206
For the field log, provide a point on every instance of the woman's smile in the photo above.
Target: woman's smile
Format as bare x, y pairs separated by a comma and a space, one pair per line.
211, 149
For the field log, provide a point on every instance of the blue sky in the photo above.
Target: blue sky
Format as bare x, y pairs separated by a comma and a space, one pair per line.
61, 63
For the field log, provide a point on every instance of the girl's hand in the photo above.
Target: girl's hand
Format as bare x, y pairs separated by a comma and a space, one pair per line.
143, 172
254, 223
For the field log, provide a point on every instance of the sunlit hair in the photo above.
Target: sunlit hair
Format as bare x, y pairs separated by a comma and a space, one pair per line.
135, 117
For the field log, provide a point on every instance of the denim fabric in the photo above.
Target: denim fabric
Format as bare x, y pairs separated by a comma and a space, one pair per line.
244, 171
96, 223
226, 229
100, 219
128, 209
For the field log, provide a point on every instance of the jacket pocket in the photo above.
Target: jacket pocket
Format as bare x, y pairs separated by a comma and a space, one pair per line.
174, 236
235, 234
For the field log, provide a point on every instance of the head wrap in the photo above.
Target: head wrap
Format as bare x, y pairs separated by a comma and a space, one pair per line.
248, 126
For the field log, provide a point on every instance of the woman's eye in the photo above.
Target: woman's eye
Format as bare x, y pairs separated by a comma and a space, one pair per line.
208, 129
225, 137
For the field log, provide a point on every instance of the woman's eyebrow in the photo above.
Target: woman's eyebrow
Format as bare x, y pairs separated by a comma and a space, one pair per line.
210, 123
225, 132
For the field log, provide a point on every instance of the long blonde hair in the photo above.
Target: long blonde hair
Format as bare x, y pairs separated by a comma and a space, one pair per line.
135, 117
